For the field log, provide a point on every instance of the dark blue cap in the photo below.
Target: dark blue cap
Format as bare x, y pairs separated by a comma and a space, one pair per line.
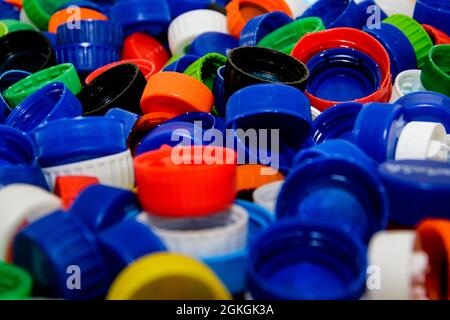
128, 118
416, 189
204, 120
230, 268
96, 32
9, 11
172, 134
7, 79
152, 17
335, 183
86, 57
337, 13
56, 247
178, 7
436, 13
377, 129
15, 146
260, 26
220, 100
400, 50
342, 74
72, 140
297, 260
18, 173
336, 122
100, 206
125, 242
212, 42
53, 101
271, 106
426, 106
181, 64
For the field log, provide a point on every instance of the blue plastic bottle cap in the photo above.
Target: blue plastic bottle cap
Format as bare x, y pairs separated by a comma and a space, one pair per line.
50, 248
181, 64
337, 13
337, 187
426, 106
152, 17
271, 106
231, 268
377, 129
7, 79
53, 101
15, 146
336, 122
220, 99
178, 7
72, 140
172, 134
417, 189
212, 42
292, 260
125, 242
400, 50
433, 12
8, 11
207, 120
86, 57
128, 118
100, 206
98, 32
342, 75
11, 174
260, 26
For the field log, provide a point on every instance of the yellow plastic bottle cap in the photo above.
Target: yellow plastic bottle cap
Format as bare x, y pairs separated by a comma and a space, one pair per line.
167, 276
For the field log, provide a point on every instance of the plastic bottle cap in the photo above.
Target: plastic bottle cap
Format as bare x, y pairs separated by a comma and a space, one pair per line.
436, 13
142, 46
169, 184
115, 170
216, 235
175, 93
260, 26
121, 86
436, 35
16, 283
252, 176
66, 16
15, 146
423, 141
266, 195
205, 68
406, 82
239, 12
392, 253
434, 238
69, 187
314, 253
254, 65
21, 205
417, 35
284, 38
145, 66
435, 74
186, 27
336, 13
181, 276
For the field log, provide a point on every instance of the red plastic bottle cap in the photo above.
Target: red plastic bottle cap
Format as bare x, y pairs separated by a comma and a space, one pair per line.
146, 66
142, 46
188, 181
315, 42
68, 187
436, 35
176, 93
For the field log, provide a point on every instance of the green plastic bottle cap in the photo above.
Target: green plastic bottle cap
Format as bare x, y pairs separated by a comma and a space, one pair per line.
436, 71
205, 68
15, 283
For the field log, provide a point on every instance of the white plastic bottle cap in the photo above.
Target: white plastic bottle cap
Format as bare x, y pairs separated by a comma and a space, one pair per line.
391, 7
266, 195
215, 235
21, 204
186, 27
115, 170
314, 113
406, 82
423, 141
392, 253
298, 7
